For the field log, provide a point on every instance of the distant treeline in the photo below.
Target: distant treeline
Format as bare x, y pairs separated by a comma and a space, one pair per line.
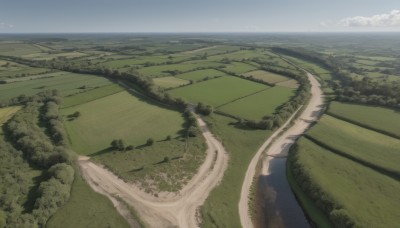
347, 88
26, 144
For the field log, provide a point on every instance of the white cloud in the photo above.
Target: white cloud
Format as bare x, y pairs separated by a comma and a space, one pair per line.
391, 19
4, 25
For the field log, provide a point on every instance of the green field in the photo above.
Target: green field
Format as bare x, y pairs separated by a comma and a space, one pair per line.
367, 197
169, 82
289, 84
217, 91
13, 70
7, 113
145, 167
66, 83
382, 119
221, 207
86, 208
91, 95
18, 49
119, 116
266, 76
163, 70
258, 105
239, 68
199, 75
362, 144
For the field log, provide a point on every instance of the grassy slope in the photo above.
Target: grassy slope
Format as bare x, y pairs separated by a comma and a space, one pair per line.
91, 95
361, 143
239, 68
256, 106
7, 113
217, 91
221, 207
66, 83
369, 197
86, 208
119, 116
171, 176
375, 117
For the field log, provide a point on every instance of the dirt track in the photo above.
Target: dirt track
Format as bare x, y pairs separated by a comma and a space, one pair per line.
164, 211
279, 146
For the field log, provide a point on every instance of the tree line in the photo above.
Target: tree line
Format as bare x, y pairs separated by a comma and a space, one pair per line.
28, 145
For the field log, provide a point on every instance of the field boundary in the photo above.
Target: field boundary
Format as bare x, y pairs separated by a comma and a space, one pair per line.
92, 99
366, 126
390, 173
243, 97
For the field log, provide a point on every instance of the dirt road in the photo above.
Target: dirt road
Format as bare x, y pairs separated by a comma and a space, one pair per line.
279, 145
178, 210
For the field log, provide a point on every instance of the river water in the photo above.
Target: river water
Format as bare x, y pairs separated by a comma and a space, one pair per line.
279, 207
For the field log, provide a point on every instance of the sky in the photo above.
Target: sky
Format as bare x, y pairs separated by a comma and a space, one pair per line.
93, 16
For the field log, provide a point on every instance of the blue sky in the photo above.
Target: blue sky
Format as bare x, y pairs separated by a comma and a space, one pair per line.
198, 15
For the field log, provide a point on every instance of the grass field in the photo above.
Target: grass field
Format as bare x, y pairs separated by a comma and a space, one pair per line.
217, 91
289, 84
379, 118
11, 70
261, 104
119, 116
169, 82
221, 207
18, 49
66, 83
91, 95
266, 76
163, 70
199, 75
363, 144
86, 208
239, 68
370, 198
145, 167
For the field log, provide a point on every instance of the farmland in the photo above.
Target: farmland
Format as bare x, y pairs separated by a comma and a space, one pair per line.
169, 82
267, 76
354, 190
362, 144
258, 105
199, 75
67, 83
381, 119
134, 121
219, 91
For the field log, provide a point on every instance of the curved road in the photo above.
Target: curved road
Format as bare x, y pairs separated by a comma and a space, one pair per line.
278, 145
164, 211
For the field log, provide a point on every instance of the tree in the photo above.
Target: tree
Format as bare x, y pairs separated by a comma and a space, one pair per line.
168, 138
120, 144
130, 147
114, 144
150, 141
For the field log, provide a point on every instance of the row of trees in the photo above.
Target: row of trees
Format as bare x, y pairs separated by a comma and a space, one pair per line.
34, 147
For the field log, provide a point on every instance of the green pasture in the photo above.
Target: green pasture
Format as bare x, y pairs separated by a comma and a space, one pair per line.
217, 91
379, 118
266, 76
66, 83
363, 144
199, 75
169, 82
258, 105
119, 116
368, 197
239, 68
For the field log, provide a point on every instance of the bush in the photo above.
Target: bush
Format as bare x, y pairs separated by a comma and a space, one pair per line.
150, 141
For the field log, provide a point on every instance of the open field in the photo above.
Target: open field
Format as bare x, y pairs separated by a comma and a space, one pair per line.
119, 116
362, 144
91, 95
14, 70
258, 105
86, 208
289, 84
66, 83
266, 76
199, 75
381, 119
218, 91
221, 207
145, 166
169, 82
165, 70
18, 49
367, 197
47, 56
313, 67
239, 68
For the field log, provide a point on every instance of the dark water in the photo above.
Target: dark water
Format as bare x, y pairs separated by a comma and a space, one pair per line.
279, 205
